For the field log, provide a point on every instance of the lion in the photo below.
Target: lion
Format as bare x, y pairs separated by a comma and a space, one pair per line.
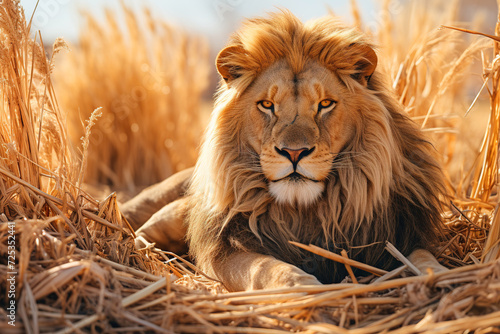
306, 143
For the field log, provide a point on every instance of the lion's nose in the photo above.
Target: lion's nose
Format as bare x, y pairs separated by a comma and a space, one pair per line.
294, 155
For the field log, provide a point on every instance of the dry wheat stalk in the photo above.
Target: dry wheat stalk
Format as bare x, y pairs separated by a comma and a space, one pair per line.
149, 79
79, 270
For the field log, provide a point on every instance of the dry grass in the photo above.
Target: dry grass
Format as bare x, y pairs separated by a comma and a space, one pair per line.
148, 77
78, 271
33, 137
428, 66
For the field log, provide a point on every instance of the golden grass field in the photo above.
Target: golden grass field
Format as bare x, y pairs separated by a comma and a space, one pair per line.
75, 127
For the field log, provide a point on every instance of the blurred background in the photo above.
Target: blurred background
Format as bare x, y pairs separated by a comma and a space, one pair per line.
149, 65
122, 103
215, 20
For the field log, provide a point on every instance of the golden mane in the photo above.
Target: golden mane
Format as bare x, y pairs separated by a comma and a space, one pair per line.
386, 185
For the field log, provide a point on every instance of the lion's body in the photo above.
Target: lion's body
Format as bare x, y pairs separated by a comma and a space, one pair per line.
276, 166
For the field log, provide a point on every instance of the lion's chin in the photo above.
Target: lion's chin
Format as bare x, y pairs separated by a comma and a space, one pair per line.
304, 192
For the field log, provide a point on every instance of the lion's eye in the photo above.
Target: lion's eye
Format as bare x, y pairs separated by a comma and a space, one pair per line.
326, 105
265, 106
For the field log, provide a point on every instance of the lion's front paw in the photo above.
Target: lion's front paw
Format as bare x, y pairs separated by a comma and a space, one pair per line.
289, 276
303, 279
254, 271
425, 262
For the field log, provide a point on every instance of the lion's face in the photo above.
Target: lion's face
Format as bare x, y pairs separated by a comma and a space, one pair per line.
303, 119
298, 124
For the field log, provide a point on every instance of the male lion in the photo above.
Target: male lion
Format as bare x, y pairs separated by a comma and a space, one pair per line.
306, 143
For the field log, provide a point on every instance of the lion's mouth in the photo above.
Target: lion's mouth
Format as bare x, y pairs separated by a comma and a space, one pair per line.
296, 188
295, 177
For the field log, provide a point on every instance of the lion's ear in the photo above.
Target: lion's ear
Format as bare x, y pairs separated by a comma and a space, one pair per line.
366, 64
226, 63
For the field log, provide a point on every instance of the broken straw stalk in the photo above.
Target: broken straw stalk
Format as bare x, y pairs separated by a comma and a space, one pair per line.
110, 283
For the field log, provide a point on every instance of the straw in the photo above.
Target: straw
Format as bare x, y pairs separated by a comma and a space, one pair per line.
77, 268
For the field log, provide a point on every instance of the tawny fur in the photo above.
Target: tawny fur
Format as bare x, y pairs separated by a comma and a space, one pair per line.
385, 184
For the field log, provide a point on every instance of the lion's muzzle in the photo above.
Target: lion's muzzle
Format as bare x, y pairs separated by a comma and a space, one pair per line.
294, 155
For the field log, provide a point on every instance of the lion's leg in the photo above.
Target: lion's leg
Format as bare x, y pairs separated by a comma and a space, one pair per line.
140, 208
424, 260
166, 228
253, 271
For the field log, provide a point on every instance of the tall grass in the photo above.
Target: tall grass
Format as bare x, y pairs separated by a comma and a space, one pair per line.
428, 67
148, 77
484, 177
77, 266
33, 138
432, 70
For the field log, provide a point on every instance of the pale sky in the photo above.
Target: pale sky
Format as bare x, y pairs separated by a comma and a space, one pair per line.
215, 19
